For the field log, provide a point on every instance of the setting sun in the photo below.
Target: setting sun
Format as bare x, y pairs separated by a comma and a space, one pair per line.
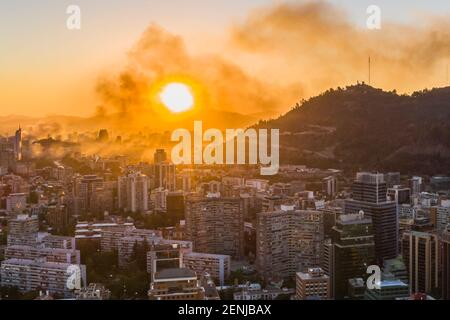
177, 97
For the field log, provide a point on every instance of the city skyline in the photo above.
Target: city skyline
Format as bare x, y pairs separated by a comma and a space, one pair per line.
248, 155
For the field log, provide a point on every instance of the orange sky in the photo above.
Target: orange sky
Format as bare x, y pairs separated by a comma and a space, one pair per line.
258, 59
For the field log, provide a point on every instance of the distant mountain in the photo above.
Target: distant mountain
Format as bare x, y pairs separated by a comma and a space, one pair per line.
360, 127
122, 123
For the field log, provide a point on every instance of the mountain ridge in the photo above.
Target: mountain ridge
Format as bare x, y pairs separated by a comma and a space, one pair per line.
361, 127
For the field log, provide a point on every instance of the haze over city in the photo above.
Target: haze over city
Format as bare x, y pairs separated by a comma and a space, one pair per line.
253, 58
247, 151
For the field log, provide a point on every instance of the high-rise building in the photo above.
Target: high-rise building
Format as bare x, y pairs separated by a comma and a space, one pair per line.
175, 206
440, 216
165, 176
57, 217
421, 255
445, 263
288, 241
215, 225
103, 135
353, 251
399, 195
440, 183
370, 195
330, 215
314, 284
330, 186
85, 189
159, 156
392, 179
18, 145
160, 199
415, 184
133, 192
23, 230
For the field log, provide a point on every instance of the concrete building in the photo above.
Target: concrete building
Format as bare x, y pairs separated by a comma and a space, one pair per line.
330, 186
70, 256
215, 225
421, 255
16, 202
314, 284
216, 265
133, 192
23, 230
445, 263
176, 284
85, 191
370, 195
165, 176
164, 256
352, 251
31, 275
288, 242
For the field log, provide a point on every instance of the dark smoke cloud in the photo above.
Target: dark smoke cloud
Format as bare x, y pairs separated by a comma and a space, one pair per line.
323, 49
225, 86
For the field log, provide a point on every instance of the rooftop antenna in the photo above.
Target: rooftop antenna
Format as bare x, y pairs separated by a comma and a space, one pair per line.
370, 71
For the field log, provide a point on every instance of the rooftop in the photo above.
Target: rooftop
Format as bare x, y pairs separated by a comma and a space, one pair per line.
175, 273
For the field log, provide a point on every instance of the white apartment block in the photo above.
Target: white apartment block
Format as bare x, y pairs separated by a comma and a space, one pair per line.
218, 266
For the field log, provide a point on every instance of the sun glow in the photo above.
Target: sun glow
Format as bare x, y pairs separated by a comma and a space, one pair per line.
177, 97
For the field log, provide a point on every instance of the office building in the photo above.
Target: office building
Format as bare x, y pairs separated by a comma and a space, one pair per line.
445, 263
399, 195
370, 196
416, 185
353, 251
421, 255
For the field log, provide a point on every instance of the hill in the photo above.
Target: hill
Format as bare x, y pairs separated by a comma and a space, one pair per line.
361, 127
